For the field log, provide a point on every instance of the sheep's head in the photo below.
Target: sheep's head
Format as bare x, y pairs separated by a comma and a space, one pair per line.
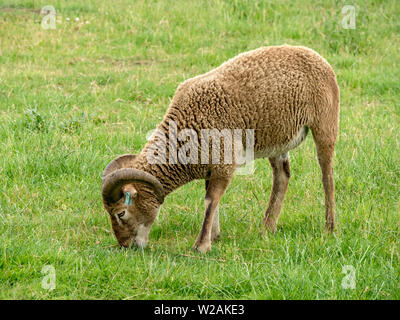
132, 198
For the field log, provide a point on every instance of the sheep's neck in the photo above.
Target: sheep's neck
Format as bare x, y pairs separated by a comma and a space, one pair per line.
171, 175
170, 172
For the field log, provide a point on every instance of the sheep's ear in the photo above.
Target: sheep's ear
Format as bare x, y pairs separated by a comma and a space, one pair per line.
130, 192
112, 184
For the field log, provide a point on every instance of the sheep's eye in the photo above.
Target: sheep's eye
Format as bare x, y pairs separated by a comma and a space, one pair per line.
120, 215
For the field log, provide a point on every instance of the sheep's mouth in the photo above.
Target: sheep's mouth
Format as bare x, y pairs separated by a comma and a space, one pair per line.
127, 244
132, 244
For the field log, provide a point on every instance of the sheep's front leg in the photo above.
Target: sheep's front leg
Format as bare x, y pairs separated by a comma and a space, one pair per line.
281, 175
215, 230
215, 189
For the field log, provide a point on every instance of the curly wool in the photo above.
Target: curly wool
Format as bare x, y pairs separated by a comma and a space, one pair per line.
278, 91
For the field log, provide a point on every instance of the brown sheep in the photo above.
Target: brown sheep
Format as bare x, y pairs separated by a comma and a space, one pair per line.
279, 92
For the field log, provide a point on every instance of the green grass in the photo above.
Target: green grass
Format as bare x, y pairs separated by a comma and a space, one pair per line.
73, 98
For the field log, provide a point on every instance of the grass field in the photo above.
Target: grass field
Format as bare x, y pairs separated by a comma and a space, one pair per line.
73, 98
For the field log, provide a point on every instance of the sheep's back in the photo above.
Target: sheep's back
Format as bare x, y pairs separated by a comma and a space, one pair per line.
273, 90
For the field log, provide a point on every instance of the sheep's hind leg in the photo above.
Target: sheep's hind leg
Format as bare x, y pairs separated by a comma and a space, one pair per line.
215, 189
281, 174
325, 150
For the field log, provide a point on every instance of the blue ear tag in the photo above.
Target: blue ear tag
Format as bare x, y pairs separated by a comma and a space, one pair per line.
128, 199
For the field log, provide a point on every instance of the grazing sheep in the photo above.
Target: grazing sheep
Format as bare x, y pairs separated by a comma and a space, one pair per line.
278, 92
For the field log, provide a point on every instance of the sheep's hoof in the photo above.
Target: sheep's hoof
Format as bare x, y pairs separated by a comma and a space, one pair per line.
330, 227
270, 226
215, 237
202, 247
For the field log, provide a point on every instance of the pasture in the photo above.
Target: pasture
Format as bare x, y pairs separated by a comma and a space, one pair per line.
74, 97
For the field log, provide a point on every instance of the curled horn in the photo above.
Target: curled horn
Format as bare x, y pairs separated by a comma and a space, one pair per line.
124, 161
118, 173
